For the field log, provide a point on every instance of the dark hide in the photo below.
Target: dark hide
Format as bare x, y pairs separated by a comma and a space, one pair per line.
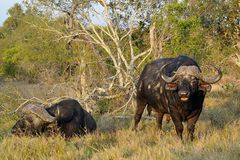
71, 120
152, 90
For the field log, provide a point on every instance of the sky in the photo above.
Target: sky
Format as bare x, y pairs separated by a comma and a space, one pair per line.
4, 6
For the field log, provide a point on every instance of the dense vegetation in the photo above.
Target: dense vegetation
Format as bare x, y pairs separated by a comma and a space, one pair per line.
100, 47
94, 51
58, 38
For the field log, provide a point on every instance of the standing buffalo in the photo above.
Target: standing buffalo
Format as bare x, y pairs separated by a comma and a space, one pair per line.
68, 115
174, 86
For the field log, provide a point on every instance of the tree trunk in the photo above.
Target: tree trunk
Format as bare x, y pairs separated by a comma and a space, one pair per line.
155, 42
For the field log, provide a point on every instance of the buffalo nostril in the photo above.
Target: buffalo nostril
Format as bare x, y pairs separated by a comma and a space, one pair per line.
183, 93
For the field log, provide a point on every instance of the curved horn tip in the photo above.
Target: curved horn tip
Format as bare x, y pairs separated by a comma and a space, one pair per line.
164, 76
213, 79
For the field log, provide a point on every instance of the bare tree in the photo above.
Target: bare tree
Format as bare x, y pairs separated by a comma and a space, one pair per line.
109, 25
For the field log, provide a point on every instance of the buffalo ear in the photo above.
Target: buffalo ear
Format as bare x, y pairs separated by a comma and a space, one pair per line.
171, 86
205, 87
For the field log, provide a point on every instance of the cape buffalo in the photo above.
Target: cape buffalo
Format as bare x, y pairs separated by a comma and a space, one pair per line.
174, 86
68, 115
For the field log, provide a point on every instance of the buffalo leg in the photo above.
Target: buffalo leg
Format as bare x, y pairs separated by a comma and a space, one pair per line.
159, 119
140, 108
70, 128
191, 125
178, 124
190, 128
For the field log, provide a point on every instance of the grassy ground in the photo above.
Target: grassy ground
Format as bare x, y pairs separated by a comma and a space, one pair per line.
217, 135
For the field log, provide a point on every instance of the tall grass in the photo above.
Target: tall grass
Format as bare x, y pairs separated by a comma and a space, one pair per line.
217, 136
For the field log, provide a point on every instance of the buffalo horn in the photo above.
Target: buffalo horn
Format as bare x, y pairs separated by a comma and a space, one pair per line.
214, 78
39, 111
164, 76
193, 70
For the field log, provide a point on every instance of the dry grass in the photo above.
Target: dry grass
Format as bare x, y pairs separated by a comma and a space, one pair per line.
217, 136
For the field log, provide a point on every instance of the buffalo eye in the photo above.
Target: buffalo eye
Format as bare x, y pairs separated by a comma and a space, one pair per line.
193, 82
205, 87
171, 86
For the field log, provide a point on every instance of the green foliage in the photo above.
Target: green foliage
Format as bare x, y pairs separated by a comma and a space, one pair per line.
30, 50
14, 19
88, 152
229, 87
103, 105
10, 59
202, 30
206, 31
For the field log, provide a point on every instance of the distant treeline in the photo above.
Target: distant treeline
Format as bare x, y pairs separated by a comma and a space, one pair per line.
107, 43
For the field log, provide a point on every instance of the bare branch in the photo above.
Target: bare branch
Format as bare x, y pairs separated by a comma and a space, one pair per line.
139, 64
125, 105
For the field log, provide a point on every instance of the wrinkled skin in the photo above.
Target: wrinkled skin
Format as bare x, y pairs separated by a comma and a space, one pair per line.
71, 120
182, 99
28, 125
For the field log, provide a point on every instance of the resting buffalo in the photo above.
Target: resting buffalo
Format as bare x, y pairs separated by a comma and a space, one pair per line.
68, 115
174, 86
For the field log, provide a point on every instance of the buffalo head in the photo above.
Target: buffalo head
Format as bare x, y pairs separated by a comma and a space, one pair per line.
35, 118
187, 80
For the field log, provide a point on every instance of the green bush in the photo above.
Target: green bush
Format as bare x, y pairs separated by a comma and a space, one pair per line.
103, 105
10, 60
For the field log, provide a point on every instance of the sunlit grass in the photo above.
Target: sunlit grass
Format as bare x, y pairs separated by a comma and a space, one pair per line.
217, 136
